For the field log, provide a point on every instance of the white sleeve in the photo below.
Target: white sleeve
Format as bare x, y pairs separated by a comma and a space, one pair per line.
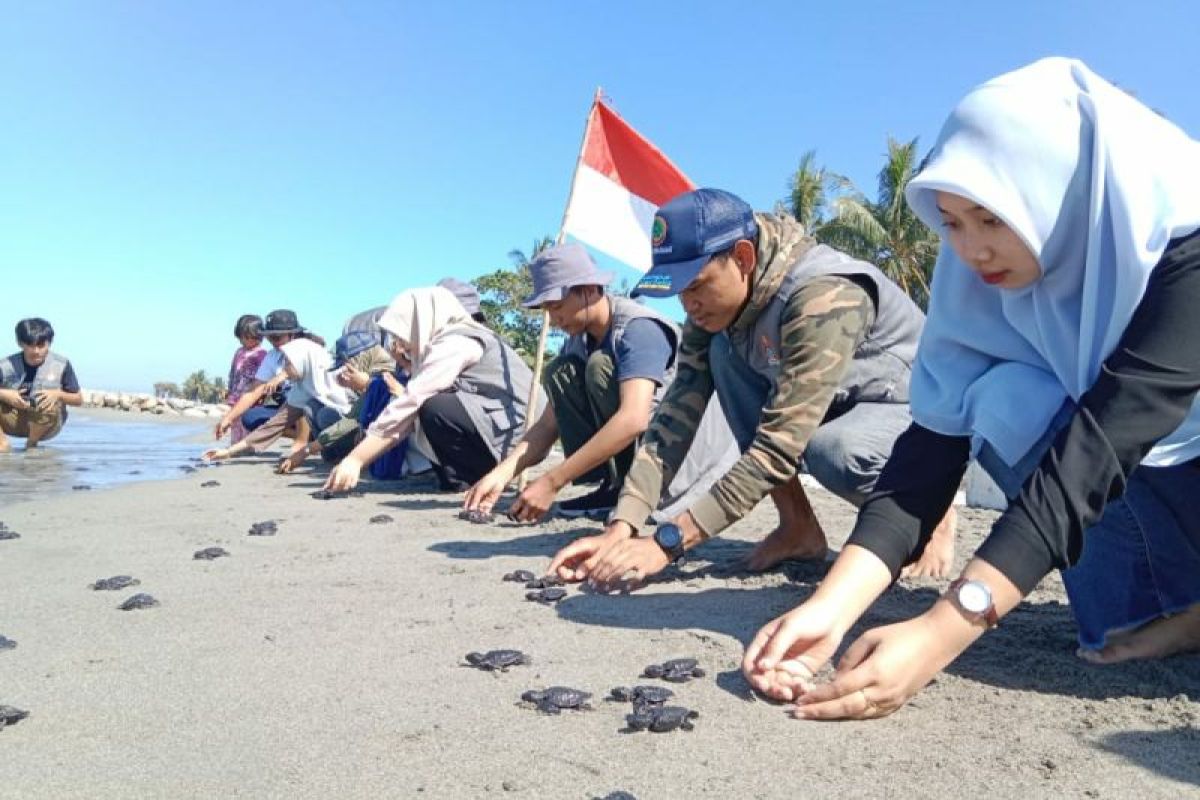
443, 364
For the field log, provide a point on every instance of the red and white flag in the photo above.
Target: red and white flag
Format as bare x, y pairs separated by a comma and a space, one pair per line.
620, 182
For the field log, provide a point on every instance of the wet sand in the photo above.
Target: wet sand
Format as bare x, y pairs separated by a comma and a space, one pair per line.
326, 661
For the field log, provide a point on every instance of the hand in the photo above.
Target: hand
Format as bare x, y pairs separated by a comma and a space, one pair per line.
484, 494
534, 501
789, 650
395, 388
14, 399
353, 378
575, 561
291, 461
883, 670
48, 399
223, 426
627, 564
215, 454
345, 475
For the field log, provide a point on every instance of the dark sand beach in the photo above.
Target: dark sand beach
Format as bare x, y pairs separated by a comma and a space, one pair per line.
327, 661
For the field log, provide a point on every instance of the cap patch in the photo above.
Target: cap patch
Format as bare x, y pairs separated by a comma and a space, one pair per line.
654, 283
658, 231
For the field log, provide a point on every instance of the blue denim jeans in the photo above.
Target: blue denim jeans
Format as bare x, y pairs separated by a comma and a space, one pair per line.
1141, 561
845, 455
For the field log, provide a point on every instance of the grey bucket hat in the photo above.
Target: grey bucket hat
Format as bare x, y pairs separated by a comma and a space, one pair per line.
556, 270
466, 294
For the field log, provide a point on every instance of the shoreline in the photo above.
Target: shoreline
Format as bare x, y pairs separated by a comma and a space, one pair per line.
327, 660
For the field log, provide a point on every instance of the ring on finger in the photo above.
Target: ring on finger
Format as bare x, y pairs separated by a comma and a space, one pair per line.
869, 705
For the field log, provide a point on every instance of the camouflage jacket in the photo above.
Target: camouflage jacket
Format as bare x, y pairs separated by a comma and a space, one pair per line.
823, 324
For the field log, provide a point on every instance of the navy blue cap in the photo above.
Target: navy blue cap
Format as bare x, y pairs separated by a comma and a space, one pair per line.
687, 232
353, 343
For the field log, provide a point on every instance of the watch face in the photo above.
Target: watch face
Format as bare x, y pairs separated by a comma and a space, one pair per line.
669, 536
973, 596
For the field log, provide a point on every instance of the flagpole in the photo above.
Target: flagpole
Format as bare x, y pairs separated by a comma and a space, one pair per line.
531, 406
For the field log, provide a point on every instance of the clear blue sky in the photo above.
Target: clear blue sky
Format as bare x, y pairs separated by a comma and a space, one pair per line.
167, 166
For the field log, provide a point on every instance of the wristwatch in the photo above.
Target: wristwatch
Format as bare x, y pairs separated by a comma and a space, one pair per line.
974, 600
670, 539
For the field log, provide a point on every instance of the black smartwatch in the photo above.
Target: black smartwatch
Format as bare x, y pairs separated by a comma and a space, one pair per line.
670, 539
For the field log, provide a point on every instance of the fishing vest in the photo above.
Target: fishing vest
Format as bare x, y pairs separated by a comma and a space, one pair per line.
882, 364
625, 311
495, 392
48, 376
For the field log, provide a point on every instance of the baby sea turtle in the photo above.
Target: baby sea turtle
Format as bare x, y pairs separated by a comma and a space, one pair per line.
544, 582
660, 719
381, 519
81, 487
138, 601
209, 484
494, 660
5, 534
519, 576
546, 596
209, 553
477, 517
114, 583
555, 698
642, 695
10, 715
6, 643
187, 469
617, 795
326, 494
267, 528
677, 670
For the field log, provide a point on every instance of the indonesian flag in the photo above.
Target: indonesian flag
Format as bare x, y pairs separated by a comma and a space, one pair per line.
620, 182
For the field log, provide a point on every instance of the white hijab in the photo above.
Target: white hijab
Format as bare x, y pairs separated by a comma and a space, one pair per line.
1096, 185
420, 317
312, 362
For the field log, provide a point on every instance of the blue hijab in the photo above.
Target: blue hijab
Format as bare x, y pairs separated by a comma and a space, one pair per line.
1096, 185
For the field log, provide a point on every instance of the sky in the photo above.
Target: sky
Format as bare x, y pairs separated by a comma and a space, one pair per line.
168, 165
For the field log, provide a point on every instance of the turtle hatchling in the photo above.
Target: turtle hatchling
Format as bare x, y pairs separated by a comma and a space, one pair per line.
642, 695
547, 596
81, 487
381, 519
544, 582
5, 533
497, 660
10, 715
268, 528
677, 670
555, 698
6, 643
660, 719
519, 576
477, 517
115, 583
209, 553
138, 601
209, 484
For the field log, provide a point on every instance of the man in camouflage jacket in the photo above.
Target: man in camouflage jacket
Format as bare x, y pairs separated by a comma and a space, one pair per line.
810, 353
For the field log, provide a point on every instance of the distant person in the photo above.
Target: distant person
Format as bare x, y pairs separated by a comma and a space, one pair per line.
809, 351
36, 385
244, 367
271, 419
467, 392
603, 388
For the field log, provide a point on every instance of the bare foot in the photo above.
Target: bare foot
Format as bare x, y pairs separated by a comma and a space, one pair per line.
1167, 636
785, 543
938, 557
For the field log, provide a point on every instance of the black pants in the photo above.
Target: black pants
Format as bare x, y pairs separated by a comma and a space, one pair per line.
463, 457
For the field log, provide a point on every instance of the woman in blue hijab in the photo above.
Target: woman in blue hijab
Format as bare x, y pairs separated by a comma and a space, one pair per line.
1062, 352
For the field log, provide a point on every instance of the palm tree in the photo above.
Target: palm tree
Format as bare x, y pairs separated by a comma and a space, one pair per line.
809, 191
885, 231
501, 293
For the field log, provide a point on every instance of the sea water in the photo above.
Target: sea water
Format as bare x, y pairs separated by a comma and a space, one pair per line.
100, 453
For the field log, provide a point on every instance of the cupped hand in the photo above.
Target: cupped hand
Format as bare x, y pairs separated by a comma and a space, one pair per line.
215, 454
534, 501
47, 400
484, 495
782, 658
884, 669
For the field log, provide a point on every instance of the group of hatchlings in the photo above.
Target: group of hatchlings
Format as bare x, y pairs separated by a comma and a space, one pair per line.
650, 709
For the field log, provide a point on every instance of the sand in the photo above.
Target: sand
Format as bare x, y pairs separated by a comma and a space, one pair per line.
326, 661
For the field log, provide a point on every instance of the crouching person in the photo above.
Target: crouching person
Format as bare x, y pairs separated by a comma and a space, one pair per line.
468, 392
603, 388
36, 385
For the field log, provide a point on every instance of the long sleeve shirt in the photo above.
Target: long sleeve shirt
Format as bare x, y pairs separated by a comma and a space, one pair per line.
445, 361
1145, 390
823, 324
